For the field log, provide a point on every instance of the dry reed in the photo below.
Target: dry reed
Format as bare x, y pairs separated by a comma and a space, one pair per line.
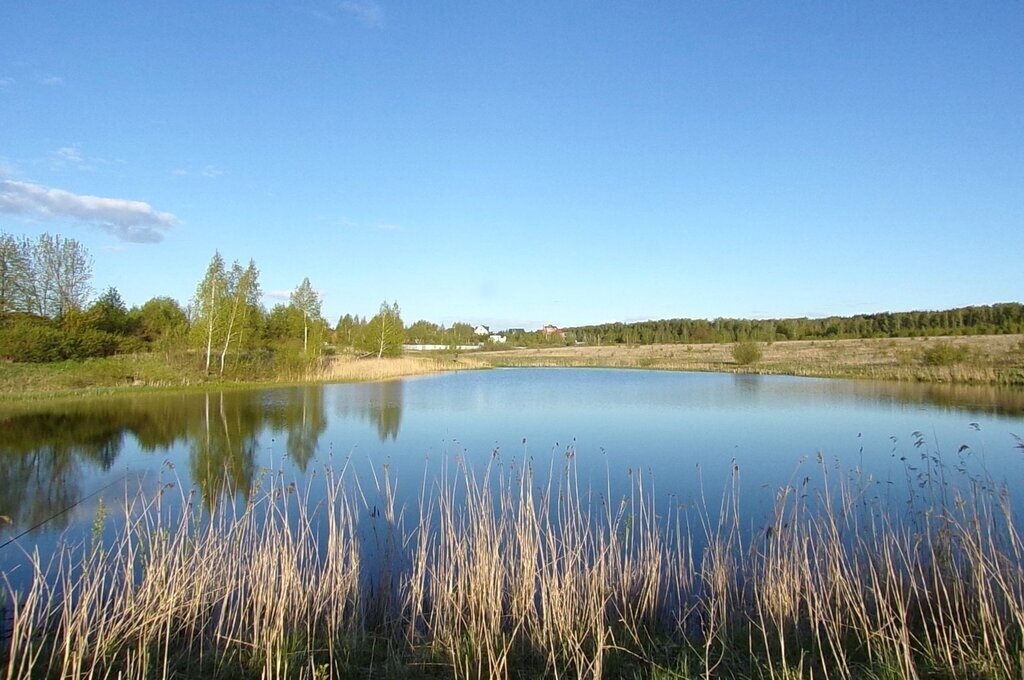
369, 369
503, 571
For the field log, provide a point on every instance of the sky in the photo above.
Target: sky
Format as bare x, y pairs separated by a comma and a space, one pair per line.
524, 163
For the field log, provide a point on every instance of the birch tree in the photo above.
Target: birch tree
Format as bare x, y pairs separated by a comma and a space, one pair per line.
63, 269
384, 333
241, 284
209, 305
307, 301
15, 273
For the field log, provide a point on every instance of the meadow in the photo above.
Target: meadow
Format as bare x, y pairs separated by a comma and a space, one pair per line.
980, 359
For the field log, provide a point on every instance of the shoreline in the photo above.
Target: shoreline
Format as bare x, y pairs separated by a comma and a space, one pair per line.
995, 360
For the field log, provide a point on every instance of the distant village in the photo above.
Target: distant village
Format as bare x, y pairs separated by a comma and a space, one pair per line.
486, 337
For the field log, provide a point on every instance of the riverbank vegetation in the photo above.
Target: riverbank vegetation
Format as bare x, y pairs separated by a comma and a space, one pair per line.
505, 571
982, 360
54, 340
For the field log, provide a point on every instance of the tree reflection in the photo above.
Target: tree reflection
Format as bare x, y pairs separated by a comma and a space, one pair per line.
378, 403
223, 445
42, 461
304, 421
388, 409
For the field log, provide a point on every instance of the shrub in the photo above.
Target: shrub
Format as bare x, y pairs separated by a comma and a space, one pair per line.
943, 354
746, 352
30, 340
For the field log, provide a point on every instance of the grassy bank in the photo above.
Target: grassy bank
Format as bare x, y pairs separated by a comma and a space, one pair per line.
986, 360
511, 574
158, 371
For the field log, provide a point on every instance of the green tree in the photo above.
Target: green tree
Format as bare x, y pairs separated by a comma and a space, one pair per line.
346, 331
63, 270
242, 289
15, 274
160, 319
307, 301
208, 307
109, 313
384, 333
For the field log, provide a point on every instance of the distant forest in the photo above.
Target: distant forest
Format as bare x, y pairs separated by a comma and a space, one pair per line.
982, 320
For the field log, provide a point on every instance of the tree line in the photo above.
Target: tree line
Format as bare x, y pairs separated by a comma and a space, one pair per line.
976, 320
46, 315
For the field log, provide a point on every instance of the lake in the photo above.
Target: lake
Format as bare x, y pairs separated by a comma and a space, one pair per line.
687, 434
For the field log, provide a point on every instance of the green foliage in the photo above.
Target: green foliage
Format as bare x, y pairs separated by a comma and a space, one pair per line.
943, 354
979, 320
746, 352
29, 339
306, 301
49, 276
161, 320
109, 314
347, 331
384, 334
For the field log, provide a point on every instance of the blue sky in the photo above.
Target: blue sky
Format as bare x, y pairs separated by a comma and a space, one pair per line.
524, 163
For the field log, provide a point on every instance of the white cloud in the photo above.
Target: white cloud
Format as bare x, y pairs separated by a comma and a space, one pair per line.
366, 11
51, 80
384, 226
211, 171
133, 221
69, 153
278, 295
6, 82
179, 172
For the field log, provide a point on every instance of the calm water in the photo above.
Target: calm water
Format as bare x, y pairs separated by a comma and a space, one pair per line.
684, 431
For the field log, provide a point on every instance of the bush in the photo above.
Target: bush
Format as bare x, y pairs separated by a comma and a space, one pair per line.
943, 354
746, 352
30, 340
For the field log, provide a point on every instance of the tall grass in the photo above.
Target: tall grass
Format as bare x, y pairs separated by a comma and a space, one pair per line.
351, 369
502, 571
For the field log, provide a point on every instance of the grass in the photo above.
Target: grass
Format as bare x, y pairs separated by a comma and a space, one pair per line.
985, 360
132, 373
502, 571
352, 369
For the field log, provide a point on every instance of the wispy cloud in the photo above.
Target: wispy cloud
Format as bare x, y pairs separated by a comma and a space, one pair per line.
368, 12
285, 295
346, 223
72, 155
208, 171
69, 153
132, 221
6, 82
51, 81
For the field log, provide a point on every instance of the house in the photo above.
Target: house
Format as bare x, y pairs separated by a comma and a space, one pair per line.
550, 330
482, 330
497, 338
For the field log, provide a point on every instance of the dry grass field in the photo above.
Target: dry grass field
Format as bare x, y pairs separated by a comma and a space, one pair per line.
989, 359
352, 369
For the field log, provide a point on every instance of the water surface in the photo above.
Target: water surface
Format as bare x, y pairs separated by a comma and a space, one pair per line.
686, 433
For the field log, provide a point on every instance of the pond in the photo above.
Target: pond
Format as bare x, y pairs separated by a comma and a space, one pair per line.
687, 435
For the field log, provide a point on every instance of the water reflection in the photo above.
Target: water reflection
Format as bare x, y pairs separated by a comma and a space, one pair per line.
222, 451
377, 403
300, 414
52, 455
55, 454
